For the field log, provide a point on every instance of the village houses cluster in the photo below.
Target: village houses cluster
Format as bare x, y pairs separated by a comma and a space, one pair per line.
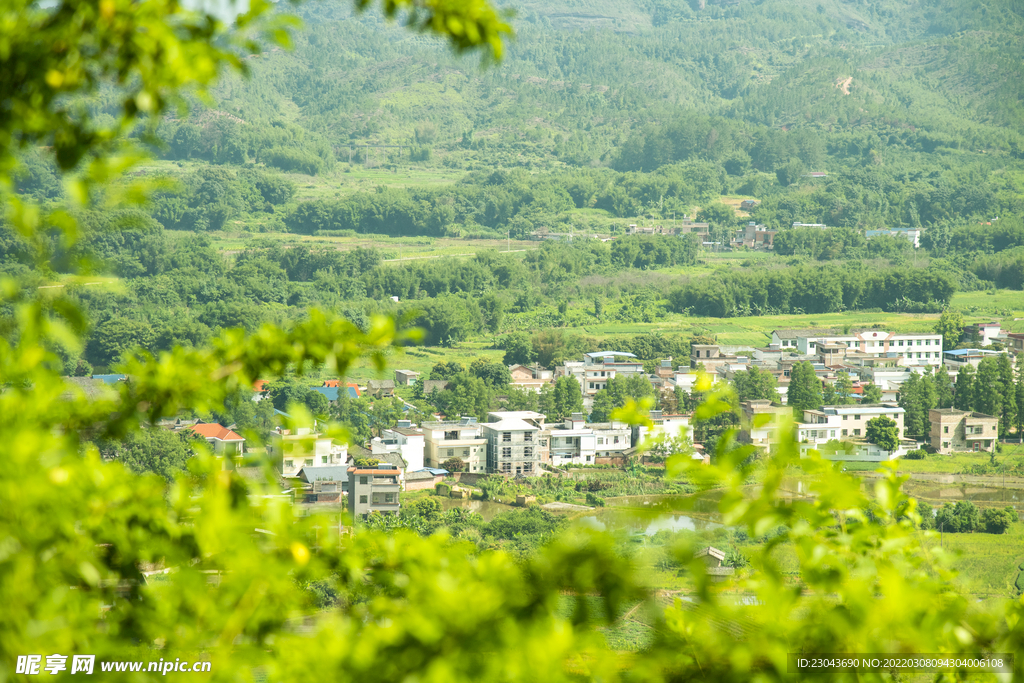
412, 456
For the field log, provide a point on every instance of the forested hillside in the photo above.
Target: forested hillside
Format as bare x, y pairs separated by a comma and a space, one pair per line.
601, 114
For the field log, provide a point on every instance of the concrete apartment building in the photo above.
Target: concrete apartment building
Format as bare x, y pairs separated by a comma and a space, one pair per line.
373, 490
961, 431
455, 439
916, 348
513, 442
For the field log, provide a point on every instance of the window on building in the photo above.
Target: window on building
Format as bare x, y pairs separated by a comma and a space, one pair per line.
527, 467
451, 436
616, 439
845, 432
450, 452
324, 459
856, 432
506, 452
846, 417
588, 458
528, 437
945, 430
901, 342
506, 436
927, 342
309, 462
465, 452
600, 441
833, 434
591, 385
543, 442
856, 417
362, 499
528, 452
289, 464
389, 498
918, 343
506, 467
364, 480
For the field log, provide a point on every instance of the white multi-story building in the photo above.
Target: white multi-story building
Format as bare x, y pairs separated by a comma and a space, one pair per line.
600, 367
513, 442
405, 440
918, 348
305, 448
848, 424
455, 439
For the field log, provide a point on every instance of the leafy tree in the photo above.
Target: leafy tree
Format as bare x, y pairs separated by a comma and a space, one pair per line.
453, 465
804, 391
844, 389
366, 462
870, 394
950, 326
997, 520
756, 384
446, 370
915, 400
883, 432
943, 388
1008, 394
518, 349
567, 398
496, 375
1019, 393
603, 406
989, 390
963, 390
385, 413
284, 394
959, 518
155, 450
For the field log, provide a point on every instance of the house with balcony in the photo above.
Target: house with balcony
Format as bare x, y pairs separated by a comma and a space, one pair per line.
305, 448
839, 432
373, 491
514, 442
959, 431
460, 439
599, 367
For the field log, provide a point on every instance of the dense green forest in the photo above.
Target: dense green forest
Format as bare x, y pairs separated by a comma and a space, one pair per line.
600, 114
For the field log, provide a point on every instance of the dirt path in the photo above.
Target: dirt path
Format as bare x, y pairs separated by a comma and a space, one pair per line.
844, 84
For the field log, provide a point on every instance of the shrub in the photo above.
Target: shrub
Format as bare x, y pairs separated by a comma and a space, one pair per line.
917, 454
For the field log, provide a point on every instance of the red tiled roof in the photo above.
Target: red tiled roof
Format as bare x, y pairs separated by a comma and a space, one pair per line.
332, 383
215, 431
260, 384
